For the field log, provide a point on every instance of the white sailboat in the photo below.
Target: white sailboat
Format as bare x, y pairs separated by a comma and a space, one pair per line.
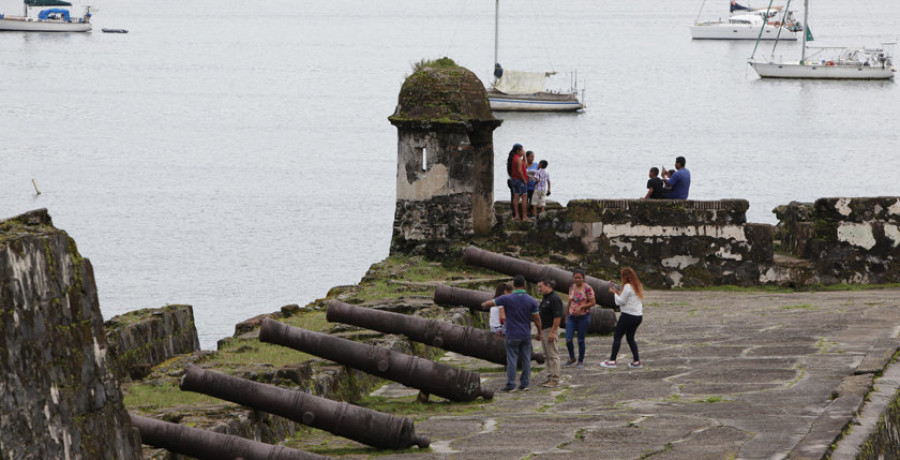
846, 62
54, 16
515, 91
741, 27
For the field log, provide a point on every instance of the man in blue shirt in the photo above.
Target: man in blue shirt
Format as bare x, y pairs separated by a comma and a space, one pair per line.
679, 183
518, 310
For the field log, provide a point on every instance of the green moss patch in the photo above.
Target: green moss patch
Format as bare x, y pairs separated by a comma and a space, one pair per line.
146, 398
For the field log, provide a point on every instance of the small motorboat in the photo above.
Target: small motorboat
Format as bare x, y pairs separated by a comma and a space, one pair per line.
114, 31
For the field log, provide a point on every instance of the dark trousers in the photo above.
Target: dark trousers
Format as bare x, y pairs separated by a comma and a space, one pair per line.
626, 326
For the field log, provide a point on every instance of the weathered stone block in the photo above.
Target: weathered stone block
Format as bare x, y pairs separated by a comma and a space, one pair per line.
760, 237
144, 338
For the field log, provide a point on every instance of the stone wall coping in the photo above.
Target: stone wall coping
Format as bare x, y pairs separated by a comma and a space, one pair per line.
705, 205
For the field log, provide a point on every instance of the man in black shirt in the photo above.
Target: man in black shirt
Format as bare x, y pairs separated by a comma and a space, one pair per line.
551, 311
654, 185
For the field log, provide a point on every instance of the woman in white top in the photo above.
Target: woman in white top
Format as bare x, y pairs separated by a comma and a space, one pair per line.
496, 325
630, 301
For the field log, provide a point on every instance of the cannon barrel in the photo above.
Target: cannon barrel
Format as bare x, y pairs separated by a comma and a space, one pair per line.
203, 444
464, 340
412, 371
449, 295
603, 320
366, 426
535, 272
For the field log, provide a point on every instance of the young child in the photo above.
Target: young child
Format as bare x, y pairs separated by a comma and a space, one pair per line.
654, 185
541, 188
497, 327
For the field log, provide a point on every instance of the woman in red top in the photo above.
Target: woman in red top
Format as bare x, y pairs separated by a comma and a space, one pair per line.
518, 182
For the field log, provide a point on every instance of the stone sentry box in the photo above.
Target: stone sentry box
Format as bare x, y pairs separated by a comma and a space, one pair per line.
445, 159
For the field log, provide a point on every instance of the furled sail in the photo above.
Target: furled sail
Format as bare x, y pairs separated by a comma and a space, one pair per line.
515, 82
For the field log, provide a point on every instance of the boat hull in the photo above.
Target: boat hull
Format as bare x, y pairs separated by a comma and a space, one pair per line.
736, 32
37, 25
834, 71
538, 102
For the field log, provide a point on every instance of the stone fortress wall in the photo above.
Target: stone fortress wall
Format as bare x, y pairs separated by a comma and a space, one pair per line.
688, 243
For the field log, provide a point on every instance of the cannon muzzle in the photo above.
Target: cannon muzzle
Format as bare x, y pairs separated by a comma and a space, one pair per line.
464, 340
535, 272
423, 374
449, 295
367, 426
194, 442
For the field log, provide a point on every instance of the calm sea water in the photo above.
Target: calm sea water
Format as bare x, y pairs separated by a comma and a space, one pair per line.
237, 156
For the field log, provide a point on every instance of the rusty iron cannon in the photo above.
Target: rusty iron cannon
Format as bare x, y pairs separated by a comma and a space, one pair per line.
603, 320
535, 272
423, 374
470, 298
204, 444
464, 340
366, 426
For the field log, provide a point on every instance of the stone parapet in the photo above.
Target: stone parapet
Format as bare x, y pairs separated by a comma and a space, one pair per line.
659, 212
848, 240
671, 243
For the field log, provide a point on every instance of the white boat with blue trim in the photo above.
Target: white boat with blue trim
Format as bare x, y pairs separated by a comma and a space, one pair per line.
47, 16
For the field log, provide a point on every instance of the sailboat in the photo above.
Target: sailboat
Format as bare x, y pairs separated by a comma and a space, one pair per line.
744, 24
53, 17
847, 62
516, 91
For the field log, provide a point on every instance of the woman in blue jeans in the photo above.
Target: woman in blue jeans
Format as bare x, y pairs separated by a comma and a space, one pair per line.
581, 299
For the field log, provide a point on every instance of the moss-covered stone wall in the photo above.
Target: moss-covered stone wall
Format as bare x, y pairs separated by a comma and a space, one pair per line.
58, 399
847, 240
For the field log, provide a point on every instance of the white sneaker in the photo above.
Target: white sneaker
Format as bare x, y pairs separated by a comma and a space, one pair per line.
635, 365
608, 364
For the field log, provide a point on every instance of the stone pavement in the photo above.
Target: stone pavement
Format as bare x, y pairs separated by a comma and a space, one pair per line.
727, 375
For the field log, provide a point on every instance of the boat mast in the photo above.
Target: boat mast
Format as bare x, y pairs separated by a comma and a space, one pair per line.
805, 30
496, 30
697, 21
